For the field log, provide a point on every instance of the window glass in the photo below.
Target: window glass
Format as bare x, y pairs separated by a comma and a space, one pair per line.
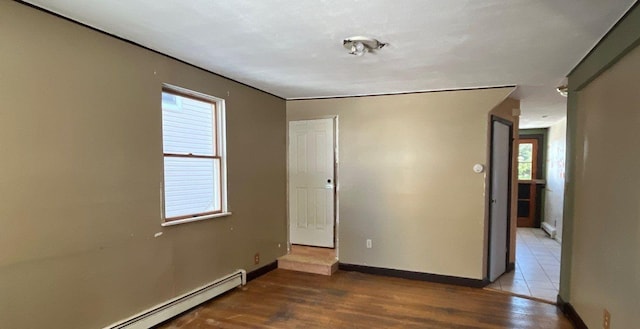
525, 161
193, 165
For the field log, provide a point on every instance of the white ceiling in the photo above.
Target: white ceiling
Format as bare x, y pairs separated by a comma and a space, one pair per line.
293, 48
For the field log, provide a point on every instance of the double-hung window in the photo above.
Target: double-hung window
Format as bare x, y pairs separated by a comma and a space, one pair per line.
194, 156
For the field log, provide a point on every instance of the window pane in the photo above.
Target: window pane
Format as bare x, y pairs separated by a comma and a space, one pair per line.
524, 208
524, 191
525, 151
191, 186
169, 99
524, 171
187, 126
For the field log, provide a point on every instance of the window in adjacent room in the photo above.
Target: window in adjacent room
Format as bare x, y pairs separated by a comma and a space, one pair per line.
527, 154
193, 141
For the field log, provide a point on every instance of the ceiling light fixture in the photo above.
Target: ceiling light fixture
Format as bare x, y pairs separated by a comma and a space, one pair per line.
360, 45
563, 90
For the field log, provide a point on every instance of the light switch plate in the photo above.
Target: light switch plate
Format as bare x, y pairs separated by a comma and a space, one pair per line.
478, 168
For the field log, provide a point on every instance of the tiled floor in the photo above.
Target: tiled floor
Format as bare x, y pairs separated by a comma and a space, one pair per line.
537, 272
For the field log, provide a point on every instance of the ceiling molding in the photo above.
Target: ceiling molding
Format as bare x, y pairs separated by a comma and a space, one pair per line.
295, 51
623, 37
46, 11
402, 93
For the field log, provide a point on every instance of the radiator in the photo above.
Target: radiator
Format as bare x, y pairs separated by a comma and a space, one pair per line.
549, 229
175, 306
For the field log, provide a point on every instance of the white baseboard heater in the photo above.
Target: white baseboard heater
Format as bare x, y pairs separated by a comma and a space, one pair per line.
175, 306
549, 229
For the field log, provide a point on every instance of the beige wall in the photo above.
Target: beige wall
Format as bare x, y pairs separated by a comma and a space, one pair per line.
605, 270
406, 180
80, 138
554, 190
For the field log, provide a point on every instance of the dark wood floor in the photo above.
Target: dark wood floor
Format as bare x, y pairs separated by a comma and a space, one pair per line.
287, 299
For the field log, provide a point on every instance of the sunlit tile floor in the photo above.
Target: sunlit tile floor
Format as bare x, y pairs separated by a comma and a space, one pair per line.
537, 272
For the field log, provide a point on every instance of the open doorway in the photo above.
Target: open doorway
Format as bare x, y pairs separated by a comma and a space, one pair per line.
530, 179
541, 165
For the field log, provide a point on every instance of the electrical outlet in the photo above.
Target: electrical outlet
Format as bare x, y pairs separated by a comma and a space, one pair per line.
369, 244
606, 319
256, 258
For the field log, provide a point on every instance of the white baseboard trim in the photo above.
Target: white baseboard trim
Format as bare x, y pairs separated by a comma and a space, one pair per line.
175, 306
549, 229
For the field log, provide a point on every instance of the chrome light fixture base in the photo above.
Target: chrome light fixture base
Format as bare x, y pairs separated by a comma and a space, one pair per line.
563, 90
359, 45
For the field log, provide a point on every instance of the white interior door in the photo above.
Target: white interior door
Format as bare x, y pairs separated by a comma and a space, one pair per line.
311, 182
499, 211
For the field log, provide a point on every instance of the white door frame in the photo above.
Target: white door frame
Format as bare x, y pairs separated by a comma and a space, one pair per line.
336, 181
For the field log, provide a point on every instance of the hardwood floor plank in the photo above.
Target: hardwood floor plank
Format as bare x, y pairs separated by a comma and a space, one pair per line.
288, 299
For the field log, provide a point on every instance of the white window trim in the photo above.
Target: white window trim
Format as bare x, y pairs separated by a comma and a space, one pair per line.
222, 147
194, 219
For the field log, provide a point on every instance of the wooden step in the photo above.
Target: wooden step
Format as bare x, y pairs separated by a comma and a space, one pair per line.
302, 263
310, 259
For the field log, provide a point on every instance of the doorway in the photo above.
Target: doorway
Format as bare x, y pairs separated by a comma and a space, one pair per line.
541, 154
312, 195
500, 197
528, 168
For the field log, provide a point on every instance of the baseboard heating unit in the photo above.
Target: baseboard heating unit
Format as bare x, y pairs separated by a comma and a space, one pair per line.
175, 306
549, 229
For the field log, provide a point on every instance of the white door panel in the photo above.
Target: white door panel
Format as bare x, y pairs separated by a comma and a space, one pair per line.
499, 203
311, 182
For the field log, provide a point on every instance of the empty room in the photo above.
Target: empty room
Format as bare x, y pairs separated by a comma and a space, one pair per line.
319, 164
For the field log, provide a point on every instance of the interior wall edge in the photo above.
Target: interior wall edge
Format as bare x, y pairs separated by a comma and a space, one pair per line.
623, 37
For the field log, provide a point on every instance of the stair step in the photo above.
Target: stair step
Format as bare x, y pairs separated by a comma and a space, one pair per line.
305, 263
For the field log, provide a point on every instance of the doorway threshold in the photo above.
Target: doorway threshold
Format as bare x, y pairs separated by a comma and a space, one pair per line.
537, 272
310, 260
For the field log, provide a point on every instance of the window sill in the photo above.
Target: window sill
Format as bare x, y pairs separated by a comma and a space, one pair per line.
194, 219
532, 181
